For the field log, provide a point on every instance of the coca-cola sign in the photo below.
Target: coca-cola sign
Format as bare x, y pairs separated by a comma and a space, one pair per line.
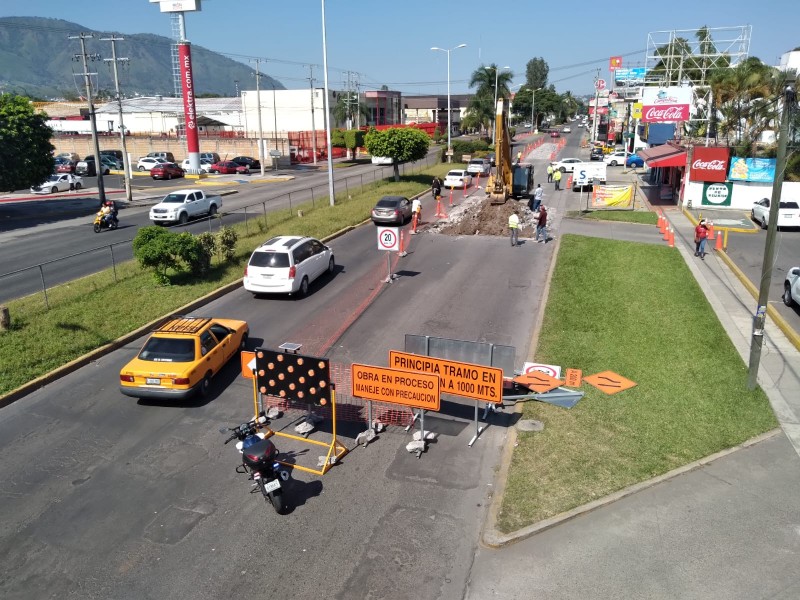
665, 113
709, 164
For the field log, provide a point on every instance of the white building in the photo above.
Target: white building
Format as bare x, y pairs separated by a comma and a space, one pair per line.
790, 60
290, 110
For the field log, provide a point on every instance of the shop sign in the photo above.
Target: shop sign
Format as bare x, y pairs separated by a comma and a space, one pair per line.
761, 170
666, 104
717, 194
709, 164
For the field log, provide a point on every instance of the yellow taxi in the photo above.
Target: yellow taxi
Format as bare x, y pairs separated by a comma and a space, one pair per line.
179, 358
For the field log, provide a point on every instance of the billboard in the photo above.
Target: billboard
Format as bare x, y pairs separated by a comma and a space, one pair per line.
709, 164
761, 170
717, 194
633, 76
666, 104
187, 83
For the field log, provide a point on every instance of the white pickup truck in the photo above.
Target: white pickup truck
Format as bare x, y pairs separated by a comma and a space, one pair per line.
181, 205
585, 174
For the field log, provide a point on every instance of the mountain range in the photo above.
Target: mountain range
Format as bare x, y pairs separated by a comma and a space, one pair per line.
37, 59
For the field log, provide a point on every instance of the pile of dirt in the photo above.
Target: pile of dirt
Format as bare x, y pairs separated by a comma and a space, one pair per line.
478, 216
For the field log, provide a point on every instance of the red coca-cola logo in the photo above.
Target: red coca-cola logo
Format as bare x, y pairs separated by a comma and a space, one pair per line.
711, 165
670, 113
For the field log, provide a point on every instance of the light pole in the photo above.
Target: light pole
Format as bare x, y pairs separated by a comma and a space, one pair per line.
494, 129
533, 114
449, 126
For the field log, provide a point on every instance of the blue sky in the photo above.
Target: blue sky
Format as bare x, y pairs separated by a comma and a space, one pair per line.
389, 42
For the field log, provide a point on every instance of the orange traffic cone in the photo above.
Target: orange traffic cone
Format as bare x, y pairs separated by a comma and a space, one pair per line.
660, 222
666, 232
439, 210
414, 220
671, 240
718, 246
402, 245
710, 231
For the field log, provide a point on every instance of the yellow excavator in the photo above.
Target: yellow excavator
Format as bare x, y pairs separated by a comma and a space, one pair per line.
509, 179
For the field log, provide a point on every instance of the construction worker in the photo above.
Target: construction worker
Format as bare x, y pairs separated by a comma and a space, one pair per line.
557, 179
519, 156
513, 226
549, 173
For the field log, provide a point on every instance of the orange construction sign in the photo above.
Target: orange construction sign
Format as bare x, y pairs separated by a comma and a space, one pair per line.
538, 382
574, 377
609, 382
478, 382
248, 363
418, 390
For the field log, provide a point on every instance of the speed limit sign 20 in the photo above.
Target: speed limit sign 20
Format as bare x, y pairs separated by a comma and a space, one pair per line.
389, 238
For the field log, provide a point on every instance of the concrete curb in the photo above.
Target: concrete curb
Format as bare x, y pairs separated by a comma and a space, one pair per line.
495, 539
694, 222
489, 530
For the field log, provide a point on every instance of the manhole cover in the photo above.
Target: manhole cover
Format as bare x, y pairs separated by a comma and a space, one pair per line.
530, 425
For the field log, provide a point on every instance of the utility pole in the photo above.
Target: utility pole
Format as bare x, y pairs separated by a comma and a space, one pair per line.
258, 100
593, 137
101, 190
789, 100
126, 163
275, 117
313, 123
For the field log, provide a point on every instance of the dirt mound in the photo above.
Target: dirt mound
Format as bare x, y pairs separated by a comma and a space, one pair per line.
477, 216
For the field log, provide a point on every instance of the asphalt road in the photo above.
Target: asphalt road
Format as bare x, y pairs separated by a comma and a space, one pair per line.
107, 497
37, 232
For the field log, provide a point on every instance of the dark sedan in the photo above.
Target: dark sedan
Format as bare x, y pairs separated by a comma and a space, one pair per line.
247, 161
228, 167
392, 209
166, 171
596, 154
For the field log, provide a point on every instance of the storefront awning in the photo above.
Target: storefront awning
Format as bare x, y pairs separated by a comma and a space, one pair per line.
664, 156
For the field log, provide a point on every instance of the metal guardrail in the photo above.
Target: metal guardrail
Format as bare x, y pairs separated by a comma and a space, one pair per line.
257, 210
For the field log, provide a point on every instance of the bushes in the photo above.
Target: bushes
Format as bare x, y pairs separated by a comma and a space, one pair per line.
160, 250
471, 147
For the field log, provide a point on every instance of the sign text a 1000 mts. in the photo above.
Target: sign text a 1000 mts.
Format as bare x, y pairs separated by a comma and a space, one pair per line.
478, 382
417, 390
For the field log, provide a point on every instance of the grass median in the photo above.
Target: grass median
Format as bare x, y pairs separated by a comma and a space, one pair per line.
644, 217
88, 313
634, 309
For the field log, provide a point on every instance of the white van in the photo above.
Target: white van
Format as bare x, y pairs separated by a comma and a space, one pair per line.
585, 174
382, 160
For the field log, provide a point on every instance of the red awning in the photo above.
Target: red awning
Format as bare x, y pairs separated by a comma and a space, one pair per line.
664, 156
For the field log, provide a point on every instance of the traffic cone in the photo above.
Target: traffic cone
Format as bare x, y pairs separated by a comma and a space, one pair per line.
465, 189
710, 230
477, 181
718, 246
402, 245
660, 222
451, 197
569, 182
671, 239
666, 233
439, 210
414, 223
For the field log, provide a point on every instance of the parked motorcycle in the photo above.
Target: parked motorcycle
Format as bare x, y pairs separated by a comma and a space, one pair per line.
102, 221
258, 461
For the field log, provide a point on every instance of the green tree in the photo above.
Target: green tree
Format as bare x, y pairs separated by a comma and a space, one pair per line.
337, 138
160, 250
348, 110
26, 154
353, 140
403, 144
536, 72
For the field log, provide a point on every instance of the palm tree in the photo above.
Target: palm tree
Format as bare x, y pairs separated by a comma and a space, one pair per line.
348, 108
492, 82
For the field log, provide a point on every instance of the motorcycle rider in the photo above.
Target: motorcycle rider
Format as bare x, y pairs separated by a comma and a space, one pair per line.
109, 211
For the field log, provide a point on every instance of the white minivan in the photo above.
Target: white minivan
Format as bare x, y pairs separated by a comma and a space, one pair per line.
287, 265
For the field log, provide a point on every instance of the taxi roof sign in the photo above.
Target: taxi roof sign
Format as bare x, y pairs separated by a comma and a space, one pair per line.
417, 390
478, 382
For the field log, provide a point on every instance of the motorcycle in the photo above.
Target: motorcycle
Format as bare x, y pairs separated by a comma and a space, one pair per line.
258, 461
102, 221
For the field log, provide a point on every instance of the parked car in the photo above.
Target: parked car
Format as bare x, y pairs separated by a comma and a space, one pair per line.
179, 358
60, 182
247, 161
392, 209
148, 162
69, 156
65, 165
382, 160
117, 154
614, 159
566, 165
567, 129
167, 156
596, 154
111, 162
88, 167
457, 178
228, 167
205, 165
166, 171
634, 161
791, 287
479, 166
287, 265
788, 213
211, 157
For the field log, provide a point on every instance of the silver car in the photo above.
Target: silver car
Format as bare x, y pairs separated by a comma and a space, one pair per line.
392, 209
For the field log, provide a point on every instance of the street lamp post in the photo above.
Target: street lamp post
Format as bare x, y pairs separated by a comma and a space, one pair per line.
449, 125
533, 114
494, 129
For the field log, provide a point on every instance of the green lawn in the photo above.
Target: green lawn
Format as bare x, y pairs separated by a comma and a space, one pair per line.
645, 217
90, 312
634, 309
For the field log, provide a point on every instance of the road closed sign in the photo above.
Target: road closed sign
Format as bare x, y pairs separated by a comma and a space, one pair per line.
478, 382
417, 390
388, 238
